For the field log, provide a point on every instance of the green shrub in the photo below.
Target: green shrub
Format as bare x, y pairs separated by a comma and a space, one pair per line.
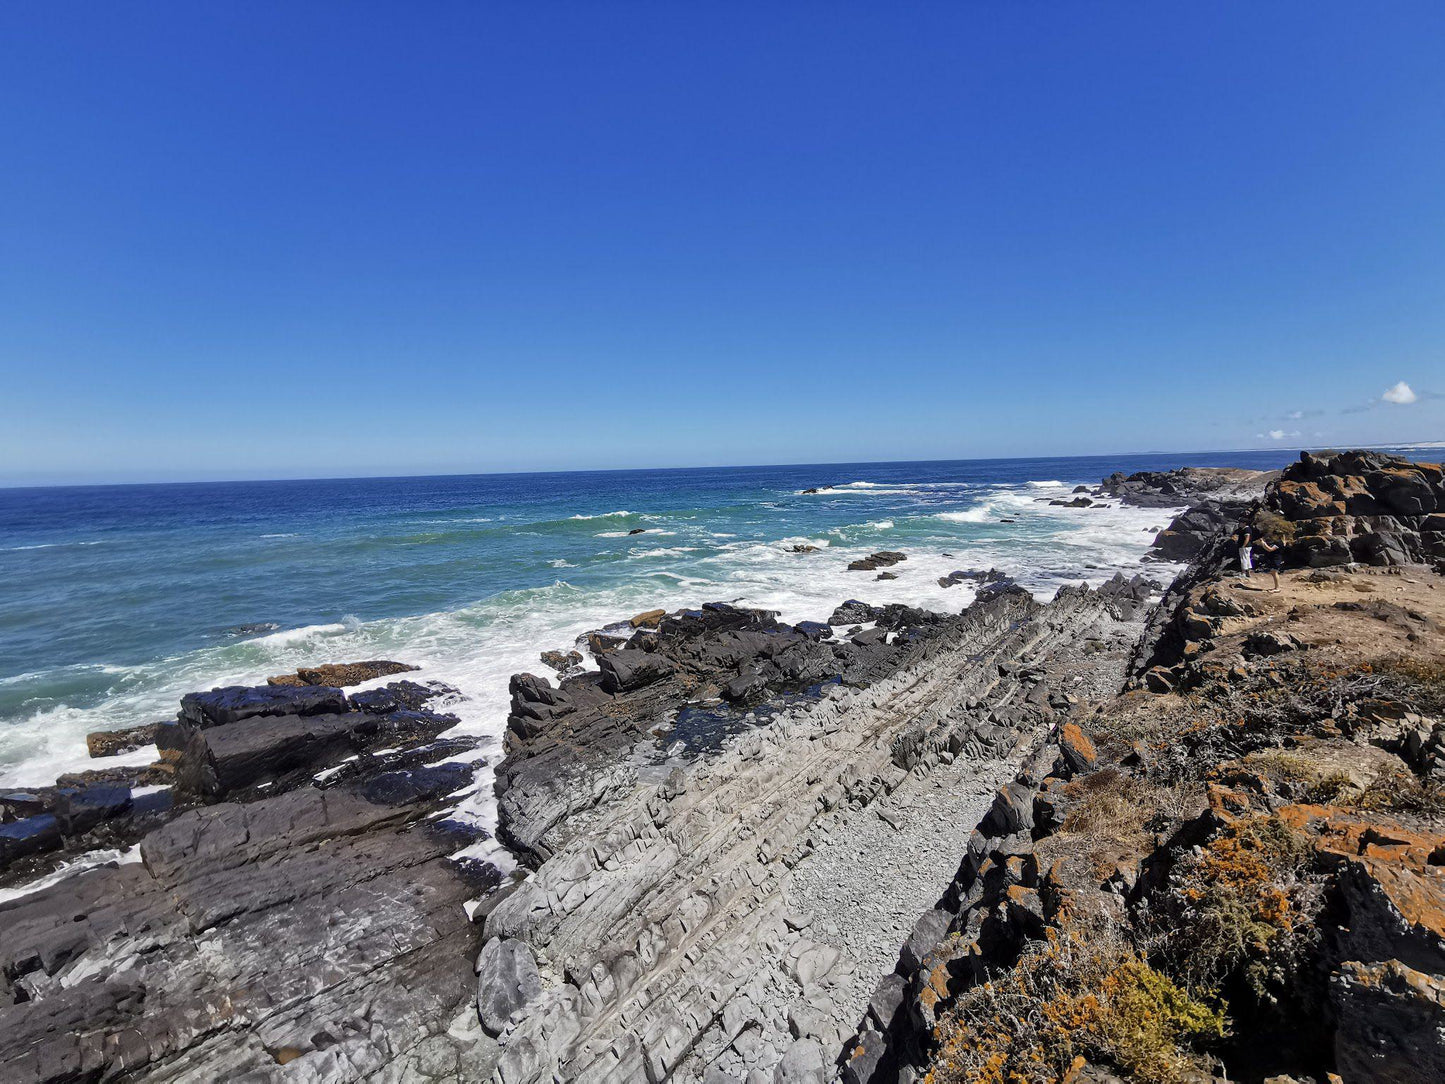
1242, 906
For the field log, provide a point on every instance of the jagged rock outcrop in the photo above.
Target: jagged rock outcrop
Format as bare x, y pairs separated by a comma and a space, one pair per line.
567, 744
1364, 507
236, 739
1186, 485
695, 918
873, 562
311, 930
1191, 531
1272, 839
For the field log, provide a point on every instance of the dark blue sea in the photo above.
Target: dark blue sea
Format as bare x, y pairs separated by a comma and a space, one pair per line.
115, 600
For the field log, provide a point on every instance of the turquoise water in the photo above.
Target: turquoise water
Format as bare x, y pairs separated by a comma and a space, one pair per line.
116, 600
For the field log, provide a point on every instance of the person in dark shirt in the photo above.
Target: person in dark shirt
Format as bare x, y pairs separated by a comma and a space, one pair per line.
1261, 555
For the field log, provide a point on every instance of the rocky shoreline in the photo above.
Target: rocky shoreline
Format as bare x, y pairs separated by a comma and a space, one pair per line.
755, 851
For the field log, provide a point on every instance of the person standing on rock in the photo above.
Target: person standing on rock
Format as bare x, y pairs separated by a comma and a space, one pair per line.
1267, 556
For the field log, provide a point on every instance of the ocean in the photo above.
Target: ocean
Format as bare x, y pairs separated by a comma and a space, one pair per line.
116, 600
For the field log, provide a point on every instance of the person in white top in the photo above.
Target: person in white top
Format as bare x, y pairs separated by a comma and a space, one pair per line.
1268, 558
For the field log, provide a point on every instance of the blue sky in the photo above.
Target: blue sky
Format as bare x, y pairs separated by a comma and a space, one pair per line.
303, 239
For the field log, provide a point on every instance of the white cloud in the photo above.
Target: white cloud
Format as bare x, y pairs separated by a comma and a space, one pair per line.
1401, 393
1277, 434
1295, 415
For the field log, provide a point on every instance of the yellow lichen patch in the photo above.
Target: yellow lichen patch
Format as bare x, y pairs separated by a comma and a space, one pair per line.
1243, 899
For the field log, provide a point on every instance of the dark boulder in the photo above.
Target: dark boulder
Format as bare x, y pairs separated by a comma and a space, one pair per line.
852, 612
235, 702
873, 562
630, 668
398, 696
415, 785
30, 835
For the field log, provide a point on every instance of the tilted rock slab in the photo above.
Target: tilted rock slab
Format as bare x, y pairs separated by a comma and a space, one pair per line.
662, 921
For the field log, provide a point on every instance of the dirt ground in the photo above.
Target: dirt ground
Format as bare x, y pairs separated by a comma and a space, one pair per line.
1363, 614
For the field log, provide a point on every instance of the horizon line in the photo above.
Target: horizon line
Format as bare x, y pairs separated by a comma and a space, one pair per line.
8, 486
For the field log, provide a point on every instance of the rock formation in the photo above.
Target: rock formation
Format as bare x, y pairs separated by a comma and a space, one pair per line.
1186, 485
1113, 836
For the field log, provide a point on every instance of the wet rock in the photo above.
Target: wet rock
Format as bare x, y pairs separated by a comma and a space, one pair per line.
648, 620
852, 612
873, 562
235, 702
628, 669
30, 835
108, 743
342, 674
415, 785
562, 661
399, 696
205, 956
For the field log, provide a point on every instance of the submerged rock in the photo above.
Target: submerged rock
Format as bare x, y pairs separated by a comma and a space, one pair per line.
881, 559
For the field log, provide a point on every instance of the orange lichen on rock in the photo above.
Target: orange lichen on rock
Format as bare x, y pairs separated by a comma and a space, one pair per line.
1078, 751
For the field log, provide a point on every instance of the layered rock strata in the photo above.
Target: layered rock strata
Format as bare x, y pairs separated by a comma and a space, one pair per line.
724, 918
307, 922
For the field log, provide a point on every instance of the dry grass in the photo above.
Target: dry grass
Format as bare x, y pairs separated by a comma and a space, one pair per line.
1078, 997
1115, 813
1401, 791
1274, 528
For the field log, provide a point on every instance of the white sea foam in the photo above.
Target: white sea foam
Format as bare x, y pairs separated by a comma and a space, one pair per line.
79, 864
52, 545
603, 515
478, 647
980, 513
